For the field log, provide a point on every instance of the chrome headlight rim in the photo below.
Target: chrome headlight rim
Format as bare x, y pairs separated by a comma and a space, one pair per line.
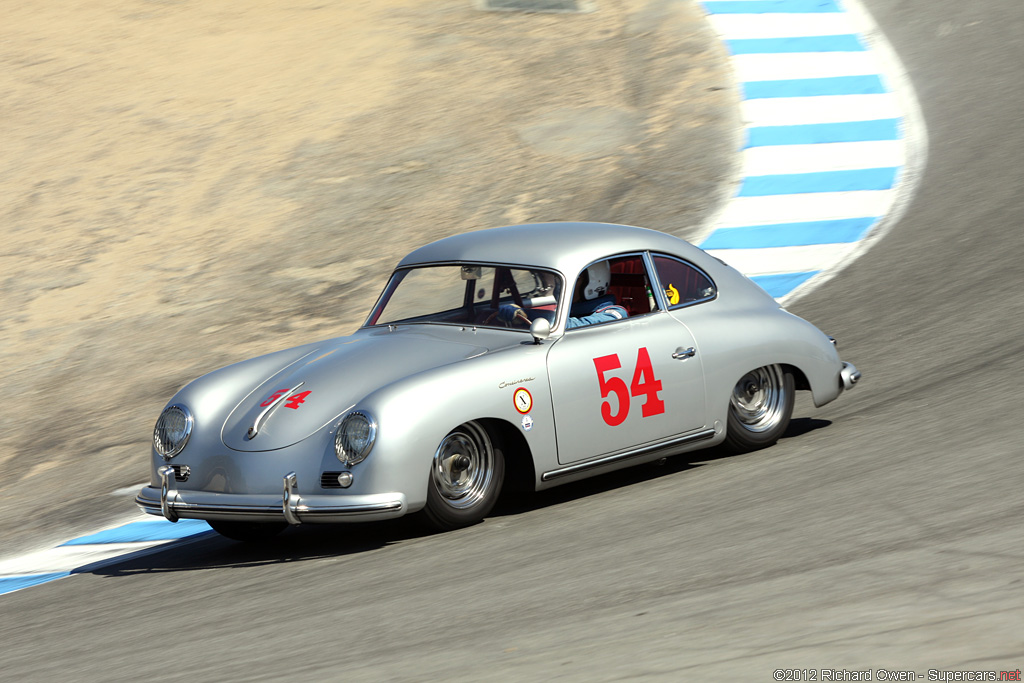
158, 443
347, 456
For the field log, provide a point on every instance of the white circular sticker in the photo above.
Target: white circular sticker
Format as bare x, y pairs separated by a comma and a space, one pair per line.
522, 400
527, 423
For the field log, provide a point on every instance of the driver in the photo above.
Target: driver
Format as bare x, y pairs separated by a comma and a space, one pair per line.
591, 302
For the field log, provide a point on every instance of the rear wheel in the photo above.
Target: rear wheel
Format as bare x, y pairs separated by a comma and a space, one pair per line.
249, 532
465, 478
759, 409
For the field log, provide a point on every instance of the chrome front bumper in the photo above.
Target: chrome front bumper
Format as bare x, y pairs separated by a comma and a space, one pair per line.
293, 508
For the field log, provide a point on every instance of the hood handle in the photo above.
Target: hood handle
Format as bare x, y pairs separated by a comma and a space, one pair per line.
255, 429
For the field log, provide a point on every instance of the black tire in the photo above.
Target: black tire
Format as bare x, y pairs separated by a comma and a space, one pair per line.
465, 478
247, 532
760, 408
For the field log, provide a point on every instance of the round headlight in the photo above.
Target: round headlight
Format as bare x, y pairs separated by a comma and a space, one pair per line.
172, 430
355, 438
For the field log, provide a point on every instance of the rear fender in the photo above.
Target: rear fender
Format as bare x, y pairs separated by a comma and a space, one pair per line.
737, 342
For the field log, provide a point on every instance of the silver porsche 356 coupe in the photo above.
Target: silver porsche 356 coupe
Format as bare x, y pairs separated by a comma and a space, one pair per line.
540, 353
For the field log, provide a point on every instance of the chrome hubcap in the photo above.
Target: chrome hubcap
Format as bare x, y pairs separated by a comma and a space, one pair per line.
463, 466
758, 399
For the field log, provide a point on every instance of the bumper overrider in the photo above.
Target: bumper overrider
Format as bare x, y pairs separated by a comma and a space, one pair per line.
849, 375
289, 506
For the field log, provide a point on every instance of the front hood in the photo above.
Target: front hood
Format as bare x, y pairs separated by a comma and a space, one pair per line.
326, 383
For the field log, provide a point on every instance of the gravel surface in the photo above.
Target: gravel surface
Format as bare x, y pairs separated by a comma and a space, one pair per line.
189, 184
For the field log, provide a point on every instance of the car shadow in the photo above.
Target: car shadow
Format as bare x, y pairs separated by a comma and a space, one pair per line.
317, 541
804, 425
798, 426
515, 502
296, 544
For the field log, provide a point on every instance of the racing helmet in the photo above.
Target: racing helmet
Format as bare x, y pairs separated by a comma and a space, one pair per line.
599, 276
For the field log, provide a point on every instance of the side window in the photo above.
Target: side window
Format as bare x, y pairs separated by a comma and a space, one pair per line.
631, 286
684, 284
611, 289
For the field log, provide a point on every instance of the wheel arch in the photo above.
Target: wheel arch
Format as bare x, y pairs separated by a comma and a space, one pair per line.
520, 469
800, 381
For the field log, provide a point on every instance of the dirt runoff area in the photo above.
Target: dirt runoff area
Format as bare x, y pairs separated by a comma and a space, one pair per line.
187, 184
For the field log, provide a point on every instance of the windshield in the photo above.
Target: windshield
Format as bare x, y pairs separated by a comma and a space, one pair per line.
468, 294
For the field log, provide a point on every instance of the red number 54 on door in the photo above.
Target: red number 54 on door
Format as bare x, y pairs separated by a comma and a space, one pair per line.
644, 384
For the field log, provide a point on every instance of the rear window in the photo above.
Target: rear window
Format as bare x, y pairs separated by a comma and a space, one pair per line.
683, 282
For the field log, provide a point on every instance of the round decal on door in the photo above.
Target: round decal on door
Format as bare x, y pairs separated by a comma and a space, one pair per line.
522, 400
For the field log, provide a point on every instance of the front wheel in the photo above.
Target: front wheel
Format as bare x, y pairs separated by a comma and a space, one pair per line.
248, 532
465, 478
759, 409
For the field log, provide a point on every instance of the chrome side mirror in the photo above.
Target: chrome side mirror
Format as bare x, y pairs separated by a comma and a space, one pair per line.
540, 329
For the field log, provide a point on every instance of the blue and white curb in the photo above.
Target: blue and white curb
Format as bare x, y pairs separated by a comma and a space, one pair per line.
834, 146
834, 142
146, 533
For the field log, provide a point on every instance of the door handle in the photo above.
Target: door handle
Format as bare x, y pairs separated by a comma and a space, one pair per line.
681, 353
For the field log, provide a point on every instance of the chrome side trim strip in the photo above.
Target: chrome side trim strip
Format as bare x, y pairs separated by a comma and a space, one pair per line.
608, 460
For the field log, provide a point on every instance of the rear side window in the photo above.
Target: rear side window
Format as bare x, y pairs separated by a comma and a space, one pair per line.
684, 283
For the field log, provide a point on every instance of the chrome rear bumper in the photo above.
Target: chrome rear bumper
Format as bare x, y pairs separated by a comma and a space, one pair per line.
849, 375
291, 507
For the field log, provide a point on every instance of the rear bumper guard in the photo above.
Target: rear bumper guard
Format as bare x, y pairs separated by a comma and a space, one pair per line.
170, 503
849, 375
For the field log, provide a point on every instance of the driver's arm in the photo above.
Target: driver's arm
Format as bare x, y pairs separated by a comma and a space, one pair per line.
510, 312
605, 314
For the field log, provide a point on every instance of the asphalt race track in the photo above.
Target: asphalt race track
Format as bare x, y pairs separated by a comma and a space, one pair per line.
882, 533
